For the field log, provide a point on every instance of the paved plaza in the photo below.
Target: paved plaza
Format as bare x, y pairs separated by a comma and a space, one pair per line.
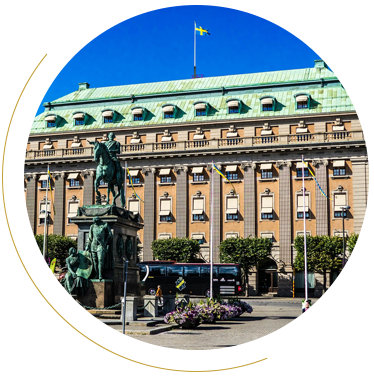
274, 325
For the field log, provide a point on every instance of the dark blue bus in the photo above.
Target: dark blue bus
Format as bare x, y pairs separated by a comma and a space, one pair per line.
227, 278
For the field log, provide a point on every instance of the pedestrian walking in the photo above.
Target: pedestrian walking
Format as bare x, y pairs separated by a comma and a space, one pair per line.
159, 295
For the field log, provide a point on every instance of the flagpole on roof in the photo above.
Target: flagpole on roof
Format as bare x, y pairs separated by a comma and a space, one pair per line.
194, 52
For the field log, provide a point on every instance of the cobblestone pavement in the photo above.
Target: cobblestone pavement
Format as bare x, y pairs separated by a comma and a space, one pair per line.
271, 327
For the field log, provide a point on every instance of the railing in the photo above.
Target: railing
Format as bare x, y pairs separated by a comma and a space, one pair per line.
206, 144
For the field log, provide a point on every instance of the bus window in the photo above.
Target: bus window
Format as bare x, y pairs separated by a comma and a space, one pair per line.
205, 271
156, 271
191, 271
143, 271
175, 271
228, 272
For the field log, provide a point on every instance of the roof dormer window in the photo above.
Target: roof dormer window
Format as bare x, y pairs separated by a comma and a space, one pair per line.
107, 116
50, 120
79, 118
233, 106
302, 101
138, 114
201, 109
168, 111
267, 103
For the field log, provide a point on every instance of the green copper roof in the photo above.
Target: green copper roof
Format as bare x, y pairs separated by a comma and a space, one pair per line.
248, 88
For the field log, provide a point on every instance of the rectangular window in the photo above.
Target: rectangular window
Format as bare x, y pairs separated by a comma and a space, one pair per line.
165, 179
108, 120
102, 182
175, 271
74, 183
44, 183
168, 115
302, 105
135, 180
165, 218
191, 271
200, 112
138, 117
198, 217
266, 174
265, 215
300, 214
233, 109
232, 175
79, 121
205, 271
266, 207
198, 177
232, 216
267, 107
299, 172
134, 206
340, 214
51, 124
339, 171
156, 271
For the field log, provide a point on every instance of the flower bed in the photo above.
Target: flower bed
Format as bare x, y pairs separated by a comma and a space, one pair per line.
46, 319
191, 315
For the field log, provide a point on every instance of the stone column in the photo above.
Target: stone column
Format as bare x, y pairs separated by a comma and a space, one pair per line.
216, 214
360, 176
59, 202
322, 205
182, 199
149, 212
31, 200
285, 199
88, 187
249, 212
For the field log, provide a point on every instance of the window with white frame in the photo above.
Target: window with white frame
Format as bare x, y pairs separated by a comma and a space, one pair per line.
339, 233
232, 208
198, 237
42, 214
165, 175
43, 181
134, 176
267, 104
137, 114
51, 121
232, 172
338, 168
300, 166
340, 200
164, 236
267, 235
266, 171
198, 174
168, 111
300, 207
165, 210
267, 207
107, 116
198, 209
72, 209
73, 180
78, 118
200, 109
301, 233
134, 206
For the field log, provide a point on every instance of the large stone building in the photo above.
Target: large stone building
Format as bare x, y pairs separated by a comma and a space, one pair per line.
254, 127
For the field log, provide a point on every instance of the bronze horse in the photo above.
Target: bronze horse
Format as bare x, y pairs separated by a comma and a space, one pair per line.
106, 171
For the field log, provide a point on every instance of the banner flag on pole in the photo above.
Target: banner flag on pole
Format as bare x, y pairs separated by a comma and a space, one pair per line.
316, 181
220, 173
200, 31
50, 189
130, 178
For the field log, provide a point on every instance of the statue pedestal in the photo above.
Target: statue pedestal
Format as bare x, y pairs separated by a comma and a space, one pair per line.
124, 227
99, 294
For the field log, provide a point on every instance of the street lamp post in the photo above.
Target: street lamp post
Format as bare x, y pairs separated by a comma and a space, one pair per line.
344, 260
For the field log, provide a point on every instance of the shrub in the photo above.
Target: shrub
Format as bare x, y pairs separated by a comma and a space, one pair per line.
52, 323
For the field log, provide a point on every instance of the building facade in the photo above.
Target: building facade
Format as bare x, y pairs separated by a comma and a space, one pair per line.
254, 127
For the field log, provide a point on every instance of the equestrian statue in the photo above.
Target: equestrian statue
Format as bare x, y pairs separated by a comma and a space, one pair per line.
109, 169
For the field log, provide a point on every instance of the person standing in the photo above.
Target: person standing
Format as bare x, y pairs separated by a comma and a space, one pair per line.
159, 295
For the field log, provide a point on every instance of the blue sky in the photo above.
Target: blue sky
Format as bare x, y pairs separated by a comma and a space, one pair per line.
159, 46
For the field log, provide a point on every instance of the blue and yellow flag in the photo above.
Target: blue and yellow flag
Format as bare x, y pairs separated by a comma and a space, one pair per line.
130, 178
200, 31
316, 180
220, 173
50, 189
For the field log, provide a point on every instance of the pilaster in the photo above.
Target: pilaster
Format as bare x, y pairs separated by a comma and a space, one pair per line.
249, 212
322, 205
149, 211
59, 201
360, 175
182, 199
31, 199
88, 187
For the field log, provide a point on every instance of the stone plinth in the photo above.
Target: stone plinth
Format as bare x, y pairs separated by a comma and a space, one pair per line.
131, 308
99, 294
150, 306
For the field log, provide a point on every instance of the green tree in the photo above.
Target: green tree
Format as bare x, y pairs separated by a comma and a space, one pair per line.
58, 247
248, 252
323, 253
182, 250
359, 252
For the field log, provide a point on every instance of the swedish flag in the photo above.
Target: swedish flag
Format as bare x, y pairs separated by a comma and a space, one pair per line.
200, 31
